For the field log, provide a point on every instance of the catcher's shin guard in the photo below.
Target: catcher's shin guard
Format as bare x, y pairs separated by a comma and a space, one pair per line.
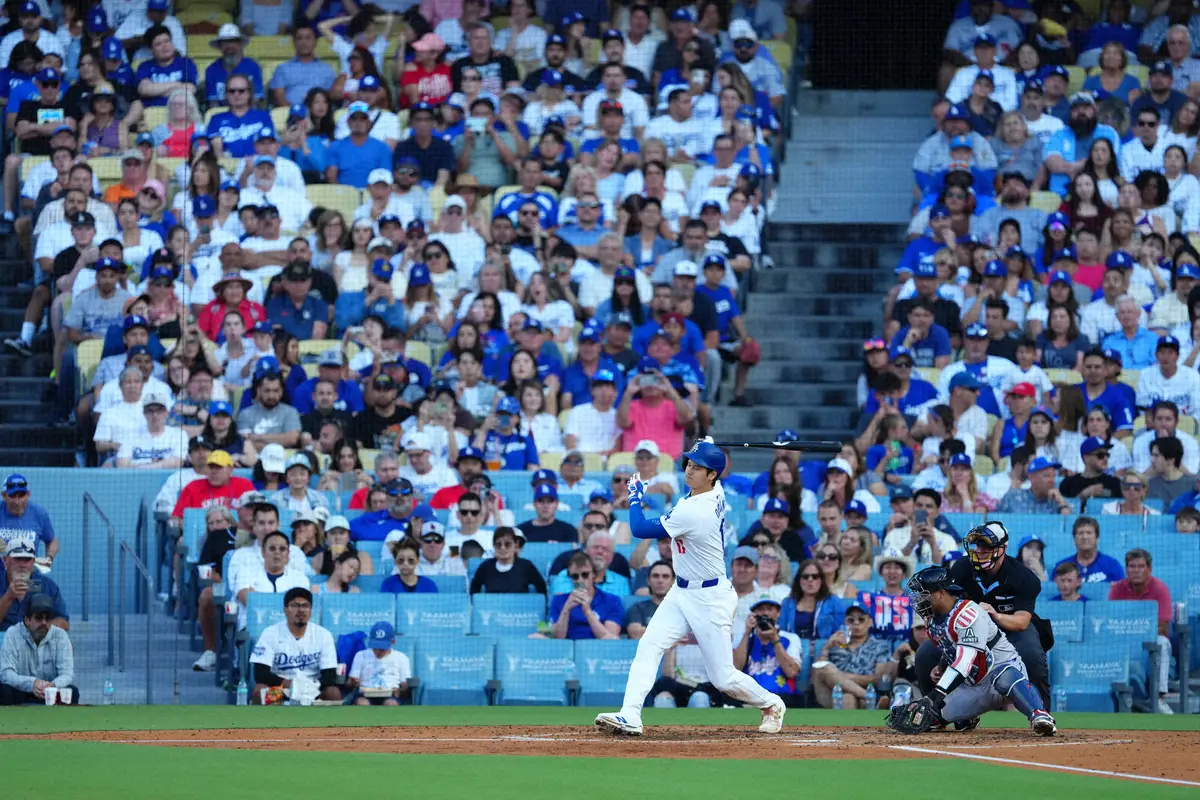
1025, 698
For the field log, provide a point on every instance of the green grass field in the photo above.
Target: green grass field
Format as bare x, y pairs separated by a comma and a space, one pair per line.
55, 769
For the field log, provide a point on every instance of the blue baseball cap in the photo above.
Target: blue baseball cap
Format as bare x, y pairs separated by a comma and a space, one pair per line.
1040, 463
359, 107
925, 268
589, 334
415, 108
418, 275
162, 271
266, 365
265, 134
15, 484
856, 507
1016, 251
1034, 85
111, 50
508, 405
900, 492
957, 112
198, 135
543, 476
682, 15
1046, 412
48, 75
382, 268
135, 321
219, 407
97, 20
1162, 67
960, 460
901, 352
384, 219
368, 82
1114, 355
985, 40
108, 263
601, 494
424, 511
1092, 444
260, 160
544, 490
995, 269
137, 350
777, 506
145, 137
1059, 276
552, 77
556, 38
157, 5
262, 327
621, 318
231, 186
381, 636
469, 452
958, 142
204, 206
713, 260
938, 211
297, 111
976, 331
624, 274
1065, 254
1167, 341
604, 376
1030, 539
532, 324
965, 380
1057, 71
987, 75
1119, 259
1187, 271
1058, 219
572, 17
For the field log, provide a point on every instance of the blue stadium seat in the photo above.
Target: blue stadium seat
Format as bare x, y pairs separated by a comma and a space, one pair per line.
631, 600
507, 614
1119, 528
1066, 618
454, 670
472, 568
542, 554
603, 666
369, 584
1087, 673
263, 610
1095, 591
964, 522
450, 584
432, 614
192, 535
346, 613
1125, 623
534, 671
375, 551
1164, 523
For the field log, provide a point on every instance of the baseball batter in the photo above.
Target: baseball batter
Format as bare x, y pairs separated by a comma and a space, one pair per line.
702, 601
980, 670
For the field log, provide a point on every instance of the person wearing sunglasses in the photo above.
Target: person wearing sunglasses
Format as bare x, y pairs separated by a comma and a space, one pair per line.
277, 573
585, 612
1095, 481
407, 555
37, 655
507, 572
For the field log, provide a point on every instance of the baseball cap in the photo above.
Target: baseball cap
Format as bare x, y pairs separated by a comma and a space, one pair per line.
1083, 99
200, 442
960, 460
556, 38
840, 464
1162, 67
1119, 259
687, 269
571, 17
264, 159
995, 269
1023, 389
939, 211
1091, 445
552, 77
985, 40
1016, 251
1186, 270
925, 269
382, 268
957, 112
83, 219
111, 50
137, 350
545, 490
266, 134
381, 636
135, 321
1167, 341
604, 376
358, 107
418, 275
976, 331
610, 35
298, 460
379, 175
589, 334
48, 75
469, 452
417, 108
901, 352
296, 112
532, 324
220, 458
273, 458
1040, 463
432, 530
331, 358
649, 446
764, 600
204, 206
508, 405
1059, 276
18, 548
747, 552
543, 476
15, 484
297, 271
401, 486
856, 507
337, 521
965, 380
262, 327
219, 407
682, 15
601, 494
417, 442
29, 9
1034, 85
1045, 411
777, 505
1065, 254
153, 398
787, 435
368, 82
742, 29
1058, 219
900, 493
621, 318
1114, 355
611, 105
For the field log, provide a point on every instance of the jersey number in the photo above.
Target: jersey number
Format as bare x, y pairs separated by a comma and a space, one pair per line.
679, 548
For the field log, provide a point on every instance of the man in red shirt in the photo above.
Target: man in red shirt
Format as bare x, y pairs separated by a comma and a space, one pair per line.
221, 488
469, 465
1139, 584
387, 469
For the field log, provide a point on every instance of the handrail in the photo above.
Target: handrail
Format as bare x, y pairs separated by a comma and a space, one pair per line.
148, 582
88, 500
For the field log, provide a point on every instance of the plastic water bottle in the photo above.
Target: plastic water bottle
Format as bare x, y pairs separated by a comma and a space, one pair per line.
872, 698
901, 695
110, 693
837, 697
243, 693
1060, 700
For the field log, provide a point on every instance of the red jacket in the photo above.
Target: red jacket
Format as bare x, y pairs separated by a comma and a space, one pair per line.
212, 316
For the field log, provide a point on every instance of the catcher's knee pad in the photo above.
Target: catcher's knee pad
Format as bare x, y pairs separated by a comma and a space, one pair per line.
1019, 691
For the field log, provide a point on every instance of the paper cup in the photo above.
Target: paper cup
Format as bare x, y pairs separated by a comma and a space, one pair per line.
51, 695
67, 695
262, 696
341, 670
205, 571
231, 608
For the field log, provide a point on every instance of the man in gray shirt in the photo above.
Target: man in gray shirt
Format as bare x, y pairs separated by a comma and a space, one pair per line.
1013, 204
35, 656
270, 420
661, 577
1167, 477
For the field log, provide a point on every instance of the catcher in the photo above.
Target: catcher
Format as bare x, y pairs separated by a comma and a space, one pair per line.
980, 670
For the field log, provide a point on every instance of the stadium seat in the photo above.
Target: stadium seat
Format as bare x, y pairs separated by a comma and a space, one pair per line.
1124, 624
1076, 79
347, 613
783, 54
29, 162
1045, 201
369, 583
279, 117
602, 667
1067, 376
1092, 677
534, 671
542, 554
436, 614
272, 48
454, 670
419, 351
87, 358
450, 584
262, 611
507, 614
335, 197
1066, 619
206, 15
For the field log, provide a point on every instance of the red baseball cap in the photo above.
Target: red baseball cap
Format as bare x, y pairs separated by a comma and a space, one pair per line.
1023, 389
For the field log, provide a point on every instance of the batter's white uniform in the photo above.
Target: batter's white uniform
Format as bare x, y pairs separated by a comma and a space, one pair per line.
702, 602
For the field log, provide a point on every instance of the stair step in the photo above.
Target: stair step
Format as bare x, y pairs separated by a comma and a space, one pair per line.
28, 390
16, 366
22, 437
801, 328
789, 232
37, 457
14, 271
21, 411
854, 306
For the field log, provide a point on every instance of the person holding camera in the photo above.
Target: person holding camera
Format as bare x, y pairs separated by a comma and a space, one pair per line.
769, 655
912, 530
659, 414
851, 658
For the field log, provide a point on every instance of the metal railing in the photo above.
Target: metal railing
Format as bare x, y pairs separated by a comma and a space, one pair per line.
89, 502
128, 554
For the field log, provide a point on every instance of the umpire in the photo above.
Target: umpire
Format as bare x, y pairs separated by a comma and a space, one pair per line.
1008, 590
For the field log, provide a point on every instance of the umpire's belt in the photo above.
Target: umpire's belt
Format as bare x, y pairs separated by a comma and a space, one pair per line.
682, 584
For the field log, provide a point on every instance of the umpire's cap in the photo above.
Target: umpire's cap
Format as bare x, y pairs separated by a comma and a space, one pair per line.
707, 455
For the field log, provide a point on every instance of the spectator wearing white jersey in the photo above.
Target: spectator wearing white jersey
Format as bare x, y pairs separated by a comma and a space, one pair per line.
1167, 381
1164, 421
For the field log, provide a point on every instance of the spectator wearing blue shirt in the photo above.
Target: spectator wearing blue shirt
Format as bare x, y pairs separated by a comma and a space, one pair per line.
1094, 566
308, 150
500, 439
916, 393
18, 565
435, 157
374, 526
405, 554
295, 310
166, 71
351, 308
22, 63
1067, 150
928, 342
1136, 345
234, 132
586, 612
531, 337
1120, 408
330, 367
352, 159
931, 241
585, 232
116, 70
577, 378
529, 177
294, 78
232, 44
25, 521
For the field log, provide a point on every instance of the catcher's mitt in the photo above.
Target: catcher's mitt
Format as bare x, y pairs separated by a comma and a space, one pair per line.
918, 716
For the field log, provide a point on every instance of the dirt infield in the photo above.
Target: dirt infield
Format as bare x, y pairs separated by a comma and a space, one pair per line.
1151, 754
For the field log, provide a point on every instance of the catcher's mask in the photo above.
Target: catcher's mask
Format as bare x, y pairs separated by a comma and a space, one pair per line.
922, 585
986, 545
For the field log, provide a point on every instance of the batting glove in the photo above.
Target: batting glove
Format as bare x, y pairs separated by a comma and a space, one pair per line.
637, 489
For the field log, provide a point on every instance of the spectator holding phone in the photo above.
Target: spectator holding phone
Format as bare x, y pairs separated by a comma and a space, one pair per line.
659, 413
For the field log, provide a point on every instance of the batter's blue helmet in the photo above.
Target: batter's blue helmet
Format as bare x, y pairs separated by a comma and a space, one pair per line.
707, 455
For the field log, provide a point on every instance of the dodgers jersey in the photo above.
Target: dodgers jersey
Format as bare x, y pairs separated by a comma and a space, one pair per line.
697, 527
288, 656
970, 642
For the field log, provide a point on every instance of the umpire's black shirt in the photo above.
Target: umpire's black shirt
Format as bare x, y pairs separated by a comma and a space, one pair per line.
1013, 588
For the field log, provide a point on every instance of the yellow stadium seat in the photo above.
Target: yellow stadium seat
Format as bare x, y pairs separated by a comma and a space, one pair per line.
550, 460
279, 117
170, 164
499, 23
153, 116
992, 419
685, 171
930, 374
782, 53
202, 15
619, 460
1139, 71
270, 48
1188, 425
1067, 376
87, 357
1045, 201
419, 351
268, 71
235, 395
790, 36
1002, 466
1076, 79
437, 200
198, 43
1194, 239
593, 462
984, 466
1129, 377
367, 457
106, 168
337, 197
29, 162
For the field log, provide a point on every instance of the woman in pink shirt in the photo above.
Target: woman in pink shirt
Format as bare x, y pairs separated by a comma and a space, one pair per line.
659, 413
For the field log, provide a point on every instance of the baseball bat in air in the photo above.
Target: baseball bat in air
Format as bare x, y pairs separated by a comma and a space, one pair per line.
808, 447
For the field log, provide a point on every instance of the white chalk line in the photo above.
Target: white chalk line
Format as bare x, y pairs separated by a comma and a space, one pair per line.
1039, 744
1061, 767
404, 739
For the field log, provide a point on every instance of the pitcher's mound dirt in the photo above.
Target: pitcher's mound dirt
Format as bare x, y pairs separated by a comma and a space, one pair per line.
1151, 753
